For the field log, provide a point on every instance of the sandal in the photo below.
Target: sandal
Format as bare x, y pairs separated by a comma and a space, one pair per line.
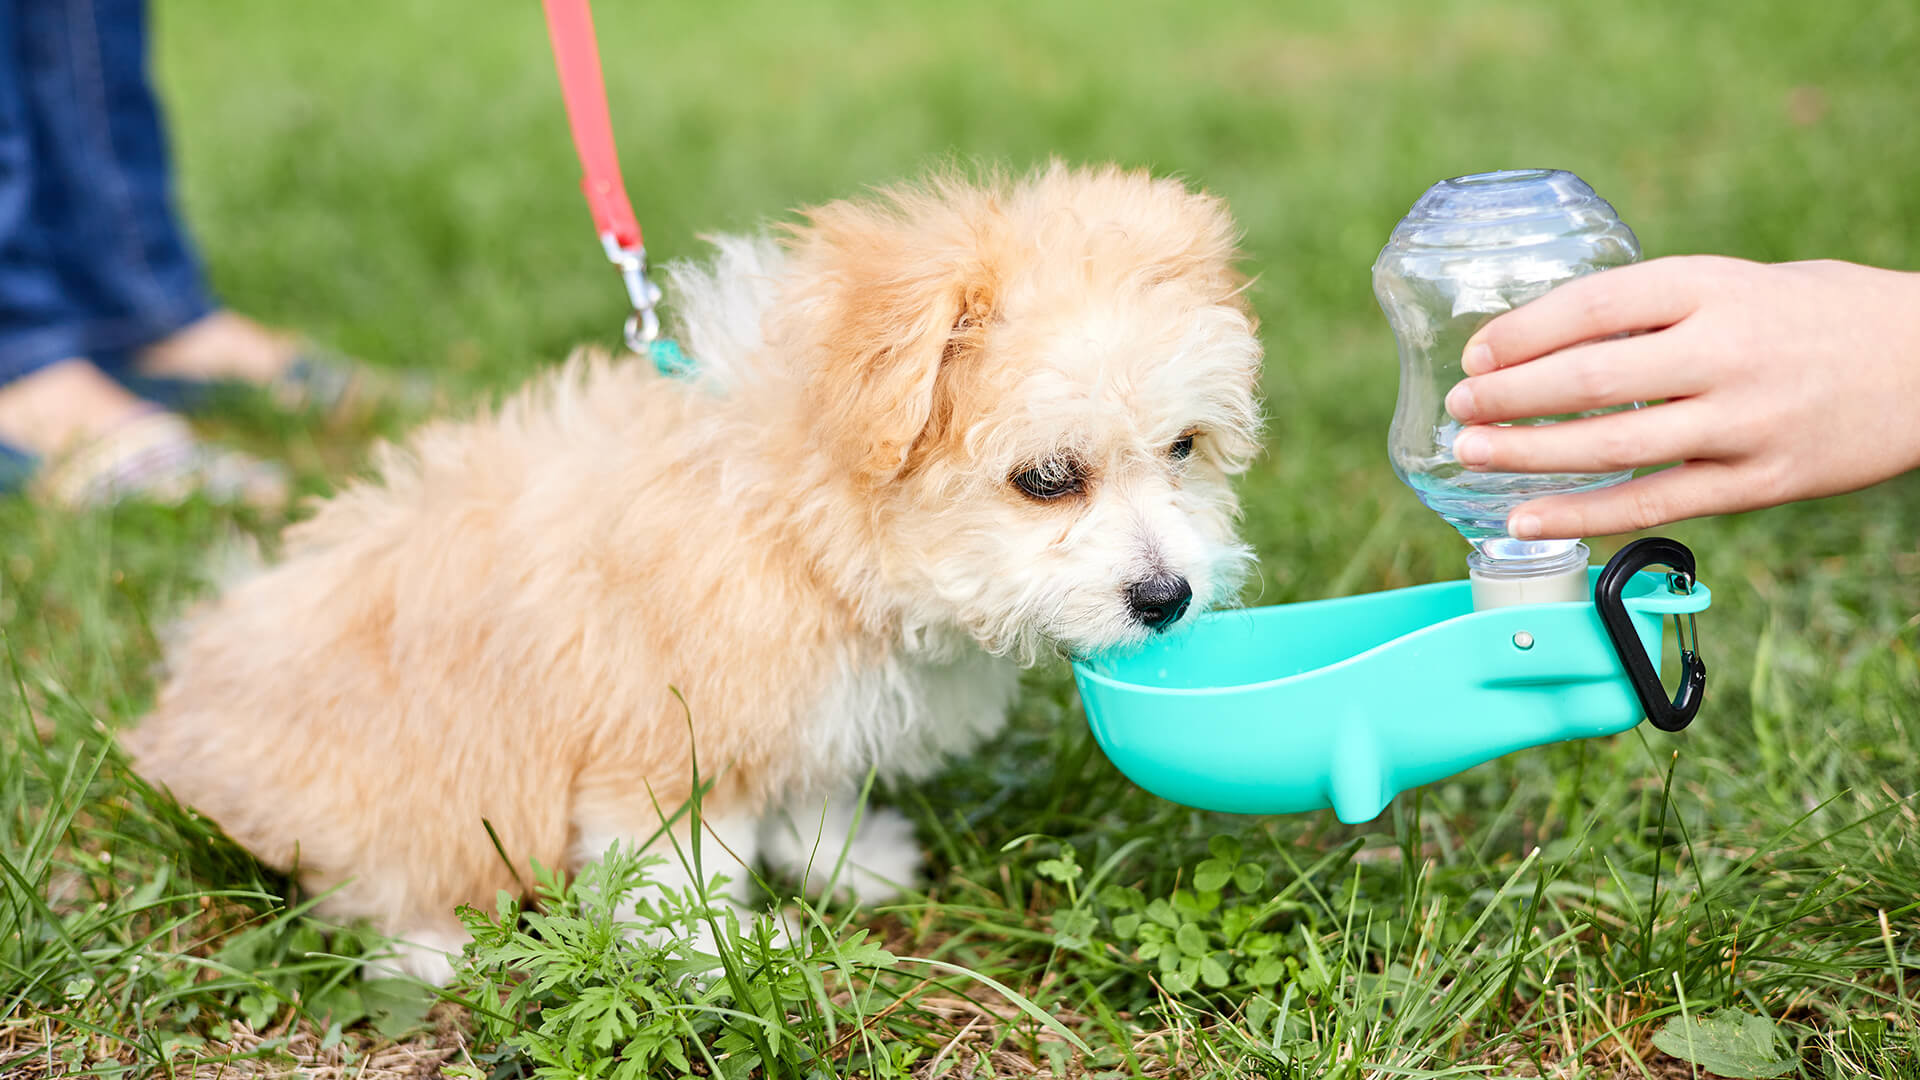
317, 381
153, 457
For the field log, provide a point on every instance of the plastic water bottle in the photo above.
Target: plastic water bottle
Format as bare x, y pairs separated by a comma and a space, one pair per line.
1471, 248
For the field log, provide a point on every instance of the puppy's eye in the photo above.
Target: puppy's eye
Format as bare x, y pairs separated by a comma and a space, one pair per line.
1182, 447
1052, 479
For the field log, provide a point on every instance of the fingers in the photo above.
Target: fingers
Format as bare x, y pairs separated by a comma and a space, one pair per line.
1581, 378
1696, 489
1641, 296
1636, 438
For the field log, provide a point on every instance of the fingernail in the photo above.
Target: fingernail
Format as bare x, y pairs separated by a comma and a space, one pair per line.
1470, 448
1476, 360
1523, 526
1460, 402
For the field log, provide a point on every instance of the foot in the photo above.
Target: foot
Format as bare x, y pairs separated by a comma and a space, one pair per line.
728, 848
226, 347
881, 861
223, 345
424, 953
97, 444
62, 406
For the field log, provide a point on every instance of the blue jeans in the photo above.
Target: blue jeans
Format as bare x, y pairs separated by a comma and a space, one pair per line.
92, 260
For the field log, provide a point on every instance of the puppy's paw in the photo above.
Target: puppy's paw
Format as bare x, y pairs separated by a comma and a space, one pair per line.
809, 841
423, 953
883, 861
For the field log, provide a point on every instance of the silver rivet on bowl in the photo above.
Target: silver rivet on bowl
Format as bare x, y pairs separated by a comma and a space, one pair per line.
1523, 640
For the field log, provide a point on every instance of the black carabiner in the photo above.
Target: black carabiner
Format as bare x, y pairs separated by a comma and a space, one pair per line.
1641, 670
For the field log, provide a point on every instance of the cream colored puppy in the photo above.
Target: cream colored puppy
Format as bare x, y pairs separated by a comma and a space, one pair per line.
933, 435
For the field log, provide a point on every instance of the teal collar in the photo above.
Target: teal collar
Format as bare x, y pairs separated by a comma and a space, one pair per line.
670, 359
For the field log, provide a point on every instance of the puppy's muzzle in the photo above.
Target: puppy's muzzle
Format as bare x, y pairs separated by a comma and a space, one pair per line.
1159, 601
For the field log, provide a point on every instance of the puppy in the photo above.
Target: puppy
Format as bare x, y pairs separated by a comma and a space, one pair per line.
934, 435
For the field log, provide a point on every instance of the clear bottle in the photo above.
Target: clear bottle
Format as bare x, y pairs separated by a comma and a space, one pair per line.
1471, 248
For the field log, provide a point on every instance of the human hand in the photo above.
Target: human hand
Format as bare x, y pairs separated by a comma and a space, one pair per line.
1780, 382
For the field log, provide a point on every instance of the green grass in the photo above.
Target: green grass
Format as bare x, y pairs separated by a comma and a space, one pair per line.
398, 182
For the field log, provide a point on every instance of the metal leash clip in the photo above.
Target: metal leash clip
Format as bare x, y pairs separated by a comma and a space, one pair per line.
643, 326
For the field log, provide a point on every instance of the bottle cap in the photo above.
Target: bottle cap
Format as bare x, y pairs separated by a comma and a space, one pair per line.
1554, 579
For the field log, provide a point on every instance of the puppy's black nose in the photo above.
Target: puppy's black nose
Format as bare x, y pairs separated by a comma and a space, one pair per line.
1159, 601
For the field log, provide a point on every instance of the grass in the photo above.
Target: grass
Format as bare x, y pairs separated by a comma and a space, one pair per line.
400, 184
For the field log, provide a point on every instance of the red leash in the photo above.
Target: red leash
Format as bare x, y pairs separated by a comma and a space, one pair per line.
577, 56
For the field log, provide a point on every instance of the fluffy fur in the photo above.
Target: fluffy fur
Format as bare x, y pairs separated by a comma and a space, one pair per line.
816, 542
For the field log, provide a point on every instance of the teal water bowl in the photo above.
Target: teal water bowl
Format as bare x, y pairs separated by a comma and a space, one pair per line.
1348, 702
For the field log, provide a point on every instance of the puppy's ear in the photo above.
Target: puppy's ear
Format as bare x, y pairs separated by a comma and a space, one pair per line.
892, 294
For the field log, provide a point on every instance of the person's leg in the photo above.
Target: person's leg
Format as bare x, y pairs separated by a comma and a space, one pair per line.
48, 398
110, 215
91, 263
201, 339
103, 198
94, 262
